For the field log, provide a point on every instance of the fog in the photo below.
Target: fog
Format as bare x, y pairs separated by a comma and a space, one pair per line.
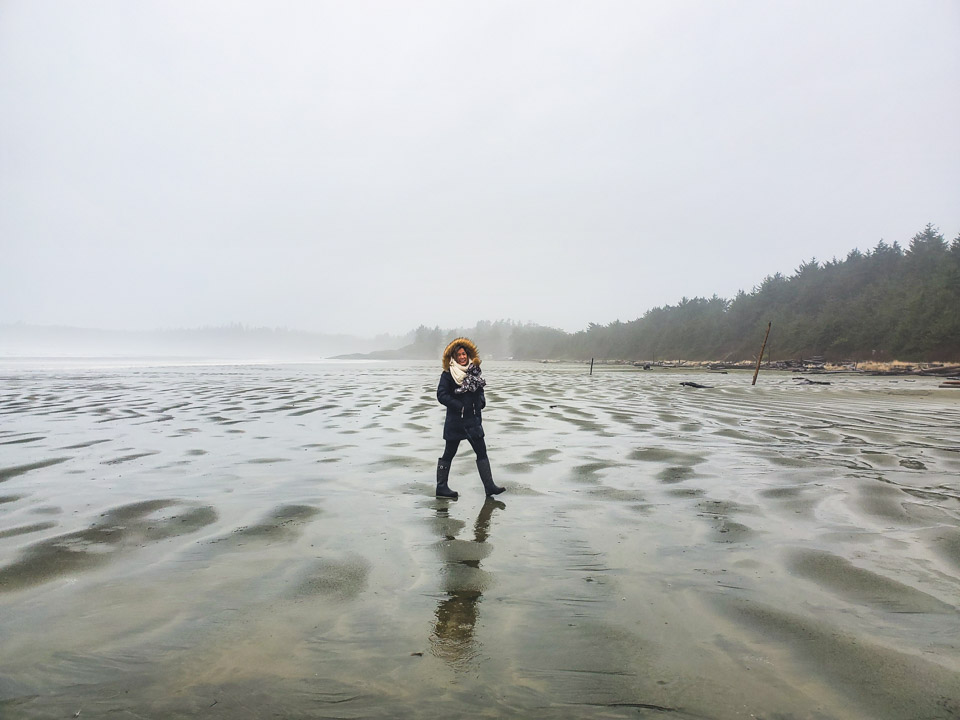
367, 167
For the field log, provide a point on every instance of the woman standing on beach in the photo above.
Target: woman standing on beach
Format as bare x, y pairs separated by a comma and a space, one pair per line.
461, 391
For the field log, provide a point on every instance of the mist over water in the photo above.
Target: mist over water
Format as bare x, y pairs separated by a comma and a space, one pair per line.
234, 342
235, 539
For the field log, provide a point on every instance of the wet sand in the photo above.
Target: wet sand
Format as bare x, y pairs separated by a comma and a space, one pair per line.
262, 541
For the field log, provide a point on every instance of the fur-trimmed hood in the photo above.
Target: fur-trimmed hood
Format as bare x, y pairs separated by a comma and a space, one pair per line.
467, 344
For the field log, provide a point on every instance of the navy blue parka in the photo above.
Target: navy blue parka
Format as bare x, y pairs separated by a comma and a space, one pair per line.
464, 419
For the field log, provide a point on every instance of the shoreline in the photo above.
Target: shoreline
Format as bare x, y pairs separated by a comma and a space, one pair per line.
896, 367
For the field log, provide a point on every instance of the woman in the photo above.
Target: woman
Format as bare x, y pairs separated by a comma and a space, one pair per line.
461, 390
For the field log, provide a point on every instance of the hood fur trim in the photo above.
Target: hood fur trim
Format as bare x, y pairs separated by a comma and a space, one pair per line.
467, 344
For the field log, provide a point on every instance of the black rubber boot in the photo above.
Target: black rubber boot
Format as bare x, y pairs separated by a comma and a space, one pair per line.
489, 487
443, 472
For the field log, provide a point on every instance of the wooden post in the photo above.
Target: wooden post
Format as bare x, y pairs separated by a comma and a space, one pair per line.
591, 366
762, 348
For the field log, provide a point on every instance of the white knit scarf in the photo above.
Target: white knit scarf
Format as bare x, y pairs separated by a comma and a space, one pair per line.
458, 371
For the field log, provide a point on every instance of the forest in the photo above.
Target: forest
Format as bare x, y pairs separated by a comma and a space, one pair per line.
890, 303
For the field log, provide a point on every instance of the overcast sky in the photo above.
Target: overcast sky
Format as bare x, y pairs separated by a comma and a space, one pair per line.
366, 167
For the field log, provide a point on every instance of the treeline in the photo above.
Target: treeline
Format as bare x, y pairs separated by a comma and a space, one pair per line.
888, 303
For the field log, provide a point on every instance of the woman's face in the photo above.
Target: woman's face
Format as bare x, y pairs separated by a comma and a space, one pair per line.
461, 356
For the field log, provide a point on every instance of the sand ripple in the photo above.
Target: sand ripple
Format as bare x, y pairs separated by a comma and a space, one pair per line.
256, 540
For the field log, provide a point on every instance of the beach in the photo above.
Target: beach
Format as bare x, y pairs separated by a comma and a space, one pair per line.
262, 540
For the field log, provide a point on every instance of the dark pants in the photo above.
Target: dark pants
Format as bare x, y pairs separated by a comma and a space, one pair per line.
478, 445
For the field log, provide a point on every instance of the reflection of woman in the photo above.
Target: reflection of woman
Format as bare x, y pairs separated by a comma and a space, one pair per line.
461, 390
457, 612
